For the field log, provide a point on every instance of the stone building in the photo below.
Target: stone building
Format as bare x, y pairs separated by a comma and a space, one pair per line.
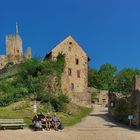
14, 50
99, 97
74, 80
103, 98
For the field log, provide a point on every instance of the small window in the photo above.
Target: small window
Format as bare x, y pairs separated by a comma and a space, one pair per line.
69, 72
77, 61
104, 100
72, 86
69, 48
70, 43
78, 73
17, 51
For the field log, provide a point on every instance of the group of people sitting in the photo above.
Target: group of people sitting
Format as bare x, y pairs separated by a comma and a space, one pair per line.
48, 122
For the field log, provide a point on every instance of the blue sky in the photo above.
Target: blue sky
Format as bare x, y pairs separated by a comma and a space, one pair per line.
108, 30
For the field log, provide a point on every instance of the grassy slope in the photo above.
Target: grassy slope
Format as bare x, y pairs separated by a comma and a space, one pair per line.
76, 117
24, 109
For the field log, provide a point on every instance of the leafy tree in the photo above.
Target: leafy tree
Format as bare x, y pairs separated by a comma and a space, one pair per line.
124, 79
109, 78
123, 109
31, 81
107, 73
93, 78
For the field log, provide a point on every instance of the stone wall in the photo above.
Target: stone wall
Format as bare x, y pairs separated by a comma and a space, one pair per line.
2, 61
136, 83
103, 97
28, 53
100, 96
112, 101
74, 80
14, 49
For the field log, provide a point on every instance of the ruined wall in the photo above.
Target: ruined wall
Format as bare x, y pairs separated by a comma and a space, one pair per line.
103, 97
28, 53
112, 101
2, 61
136, 83
98, 96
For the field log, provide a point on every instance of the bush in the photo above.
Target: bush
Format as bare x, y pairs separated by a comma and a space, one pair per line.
6, 100
123, 109
63, 98
9, 64
31, 80
57, 101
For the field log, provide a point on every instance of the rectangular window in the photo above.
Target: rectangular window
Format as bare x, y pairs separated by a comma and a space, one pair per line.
78, 74
72, 86
70, 48
69, 72
77, 61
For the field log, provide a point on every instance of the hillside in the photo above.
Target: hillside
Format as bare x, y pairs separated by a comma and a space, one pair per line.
33, 80
24, 109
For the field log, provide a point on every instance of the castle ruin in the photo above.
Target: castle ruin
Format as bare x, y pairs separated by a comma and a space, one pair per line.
14, 50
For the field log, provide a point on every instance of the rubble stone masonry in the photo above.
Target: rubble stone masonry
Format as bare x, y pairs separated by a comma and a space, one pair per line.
74, 80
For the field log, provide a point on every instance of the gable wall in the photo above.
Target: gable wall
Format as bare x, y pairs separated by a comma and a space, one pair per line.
80, 84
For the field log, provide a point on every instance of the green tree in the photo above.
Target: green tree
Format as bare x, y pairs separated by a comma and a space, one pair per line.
93, 78
123, 109
125, 79
107, 73
31, 80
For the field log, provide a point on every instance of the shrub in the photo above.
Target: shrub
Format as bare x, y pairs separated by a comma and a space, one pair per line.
123, 109
57, 101
63, 98
9, 64
31, 80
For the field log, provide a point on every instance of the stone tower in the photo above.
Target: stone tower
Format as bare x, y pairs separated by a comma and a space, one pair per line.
28, 53
14, 47
14, 50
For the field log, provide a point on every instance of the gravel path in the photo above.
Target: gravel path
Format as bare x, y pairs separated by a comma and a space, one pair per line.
97, 126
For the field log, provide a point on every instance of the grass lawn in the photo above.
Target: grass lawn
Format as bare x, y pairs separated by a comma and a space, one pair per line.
24, 110
76, 117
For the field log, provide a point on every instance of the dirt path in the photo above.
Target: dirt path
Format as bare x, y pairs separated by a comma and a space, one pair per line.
97, 126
